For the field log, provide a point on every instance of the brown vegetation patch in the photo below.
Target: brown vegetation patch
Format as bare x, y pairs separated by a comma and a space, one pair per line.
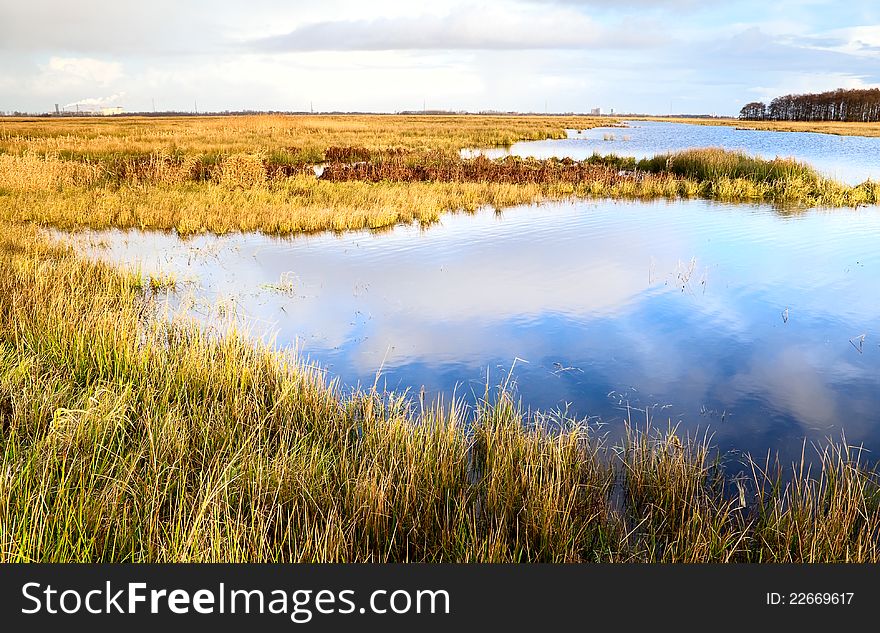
349, 154
438, 167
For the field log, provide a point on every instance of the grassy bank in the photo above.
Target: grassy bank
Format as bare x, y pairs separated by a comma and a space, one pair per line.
239, 194
125, 439
822, 127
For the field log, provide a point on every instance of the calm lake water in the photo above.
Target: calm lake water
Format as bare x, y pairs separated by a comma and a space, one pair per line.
763, 326
850, 159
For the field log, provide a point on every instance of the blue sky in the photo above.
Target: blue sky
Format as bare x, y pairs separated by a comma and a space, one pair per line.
528, 55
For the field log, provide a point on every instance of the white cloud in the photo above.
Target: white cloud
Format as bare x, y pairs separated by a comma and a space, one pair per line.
484, 28
82, 70
97, 27
861, 41
390, 54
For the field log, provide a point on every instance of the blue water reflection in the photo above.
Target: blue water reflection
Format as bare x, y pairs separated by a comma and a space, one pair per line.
735, 316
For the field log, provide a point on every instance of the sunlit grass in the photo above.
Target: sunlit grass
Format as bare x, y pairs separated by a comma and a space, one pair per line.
126, 438
417, 188
294, 139
225, 174
715, 163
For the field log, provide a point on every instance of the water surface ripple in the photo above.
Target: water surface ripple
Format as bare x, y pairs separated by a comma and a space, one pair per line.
762, 325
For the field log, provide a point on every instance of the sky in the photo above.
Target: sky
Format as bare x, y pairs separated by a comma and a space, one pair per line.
656, 57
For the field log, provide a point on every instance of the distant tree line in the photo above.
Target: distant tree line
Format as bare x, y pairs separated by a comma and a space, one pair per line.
835, 105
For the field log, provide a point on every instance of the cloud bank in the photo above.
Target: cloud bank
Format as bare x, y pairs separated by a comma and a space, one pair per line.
388, 55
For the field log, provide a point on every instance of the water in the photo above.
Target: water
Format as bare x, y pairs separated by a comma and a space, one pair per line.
849, 159
736, 317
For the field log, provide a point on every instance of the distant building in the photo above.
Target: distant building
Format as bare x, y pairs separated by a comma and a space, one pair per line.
596, 111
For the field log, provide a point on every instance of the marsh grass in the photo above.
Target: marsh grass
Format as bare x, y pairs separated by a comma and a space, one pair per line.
294, 139
161, 282
398, 188
255, 173
128, 438
716, 163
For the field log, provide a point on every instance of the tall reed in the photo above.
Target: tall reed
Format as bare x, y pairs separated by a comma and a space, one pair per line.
127, 438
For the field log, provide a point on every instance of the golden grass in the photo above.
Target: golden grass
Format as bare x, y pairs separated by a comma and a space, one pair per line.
241, 197
301, 205
124, 438
213, 173
824, 127
225, 174
296, 138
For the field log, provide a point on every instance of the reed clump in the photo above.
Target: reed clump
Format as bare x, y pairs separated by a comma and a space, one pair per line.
827, 512
677, 499
127, 438
715, 163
